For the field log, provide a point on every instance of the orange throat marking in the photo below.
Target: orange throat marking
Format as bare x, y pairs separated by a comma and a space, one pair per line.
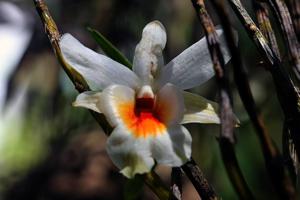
140, 119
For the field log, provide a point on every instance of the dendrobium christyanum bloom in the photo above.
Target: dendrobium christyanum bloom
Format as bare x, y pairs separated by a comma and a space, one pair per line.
146, 106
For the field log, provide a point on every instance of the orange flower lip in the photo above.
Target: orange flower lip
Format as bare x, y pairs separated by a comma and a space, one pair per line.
140, 119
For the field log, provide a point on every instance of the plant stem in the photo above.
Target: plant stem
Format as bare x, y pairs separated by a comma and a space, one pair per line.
265, 26
284, 19
294, 7
200, 183
273, 159
227, 138
287, 93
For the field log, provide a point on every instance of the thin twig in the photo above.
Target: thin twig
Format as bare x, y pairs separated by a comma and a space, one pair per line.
286, 91
151, 178
227, 121
200, 183
284, 18
273, 159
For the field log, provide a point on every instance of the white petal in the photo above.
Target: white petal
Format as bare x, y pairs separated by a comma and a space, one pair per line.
99, 70
199, 110
169, 105
148, 53
89, 100
116, 102
131, 155
182, 141
193, 66
172, 148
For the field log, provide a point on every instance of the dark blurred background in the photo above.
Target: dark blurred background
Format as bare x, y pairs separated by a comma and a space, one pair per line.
50, 150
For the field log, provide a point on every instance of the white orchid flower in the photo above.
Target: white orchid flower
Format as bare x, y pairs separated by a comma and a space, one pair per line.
146, 106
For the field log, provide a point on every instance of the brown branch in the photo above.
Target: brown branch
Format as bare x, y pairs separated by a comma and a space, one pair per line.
289, 160
265, 26
200, 183
254, 33
151, 178
227, 120
294, 7
283, 16
287, 93
273, 159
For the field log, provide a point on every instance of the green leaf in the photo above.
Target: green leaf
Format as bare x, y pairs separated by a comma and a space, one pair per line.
109, 49
133, 188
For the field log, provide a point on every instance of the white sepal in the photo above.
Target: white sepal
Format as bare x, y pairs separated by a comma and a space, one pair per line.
99, 70
89, 100
199, 110
193, 66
